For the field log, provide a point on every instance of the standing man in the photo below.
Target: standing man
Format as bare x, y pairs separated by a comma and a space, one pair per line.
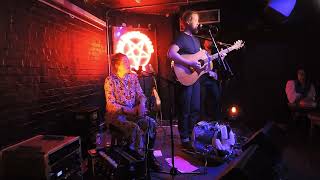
189, 100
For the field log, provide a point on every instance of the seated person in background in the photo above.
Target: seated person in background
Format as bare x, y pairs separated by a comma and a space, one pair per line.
301, 92
125, 107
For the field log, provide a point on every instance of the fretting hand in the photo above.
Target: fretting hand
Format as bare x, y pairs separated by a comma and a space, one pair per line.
222, 55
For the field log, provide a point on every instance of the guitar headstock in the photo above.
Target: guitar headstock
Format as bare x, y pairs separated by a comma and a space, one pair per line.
238, 44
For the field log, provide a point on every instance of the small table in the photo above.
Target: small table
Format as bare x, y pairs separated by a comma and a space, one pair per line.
314, 120
298, 112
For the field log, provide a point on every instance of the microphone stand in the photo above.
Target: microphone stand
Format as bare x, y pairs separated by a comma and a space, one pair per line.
173, 170
226, 67
147, 175
224, 63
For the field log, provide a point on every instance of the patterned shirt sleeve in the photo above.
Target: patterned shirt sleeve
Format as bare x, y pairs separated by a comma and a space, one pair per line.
111, 105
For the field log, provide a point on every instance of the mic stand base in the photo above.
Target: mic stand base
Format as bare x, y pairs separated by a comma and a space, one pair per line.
173, 171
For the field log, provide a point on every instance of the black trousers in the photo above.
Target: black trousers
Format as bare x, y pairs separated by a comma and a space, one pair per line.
189, 105
210, 98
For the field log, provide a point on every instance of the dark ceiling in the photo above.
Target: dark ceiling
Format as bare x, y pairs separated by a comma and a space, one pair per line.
234, 13
158, 7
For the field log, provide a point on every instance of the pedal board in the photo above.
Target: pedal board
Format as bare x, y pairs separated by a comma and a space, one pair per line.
119, 163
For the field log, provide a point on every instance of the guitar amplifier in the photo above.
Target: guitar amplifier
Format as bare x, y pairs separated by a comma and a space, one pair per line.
43, 157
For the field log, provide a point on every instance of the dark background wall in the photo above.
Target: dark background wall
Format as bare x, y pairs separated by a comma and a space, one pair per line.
50, 63
275, 47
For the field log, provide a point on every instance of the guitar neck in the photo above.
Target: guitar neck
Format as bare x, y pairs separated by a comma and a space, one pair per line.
216, 55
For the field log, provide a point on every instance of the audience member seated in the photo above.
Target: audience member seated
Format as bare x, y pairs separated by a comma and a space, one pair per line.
125, 107
301, 95
301, 92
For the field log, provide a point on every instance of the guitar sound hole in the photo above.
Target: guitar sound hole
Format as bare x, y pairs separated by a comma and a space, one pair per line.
201, 62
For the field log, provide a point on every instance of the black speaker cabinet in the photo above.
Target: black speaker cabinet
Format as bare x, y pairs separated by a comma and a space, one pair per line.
85, 122
262, 156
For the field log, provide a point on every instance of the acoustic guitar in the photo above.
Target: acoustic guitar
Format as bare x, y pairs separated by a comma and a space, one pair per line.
188, 76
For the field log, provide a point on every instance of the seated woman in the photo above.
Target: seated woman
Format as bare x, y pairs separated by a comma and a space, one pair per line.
125, 106
300, 92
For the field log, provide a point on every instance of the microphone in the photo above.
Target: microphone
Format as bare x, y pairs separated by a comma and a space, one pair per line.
152, 71
218, 42
208, 27
137, 71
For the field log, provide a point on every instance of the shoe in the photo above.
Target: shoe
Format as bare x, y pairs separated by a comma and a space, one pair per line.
154, 163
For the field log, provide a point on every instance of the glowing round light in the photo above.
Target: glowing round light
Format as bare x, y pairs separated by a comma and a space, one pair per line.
234, 109
233, 112
137, 46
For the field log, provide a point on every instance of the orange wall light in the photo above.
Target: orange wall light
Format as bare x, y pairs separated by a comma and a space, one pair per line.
137, 46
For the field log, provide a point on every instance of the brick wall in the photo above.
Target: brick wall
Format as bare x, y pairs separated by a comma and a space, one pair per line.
49, 64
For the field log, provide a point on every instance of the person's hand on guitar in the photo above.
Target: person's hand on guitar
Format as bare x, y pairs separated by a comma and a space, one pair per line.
213, 74
222, 55
196, 65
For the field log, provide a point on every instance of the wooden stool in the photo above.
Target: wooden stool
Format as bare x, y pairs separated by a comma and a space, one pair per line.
314, 120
